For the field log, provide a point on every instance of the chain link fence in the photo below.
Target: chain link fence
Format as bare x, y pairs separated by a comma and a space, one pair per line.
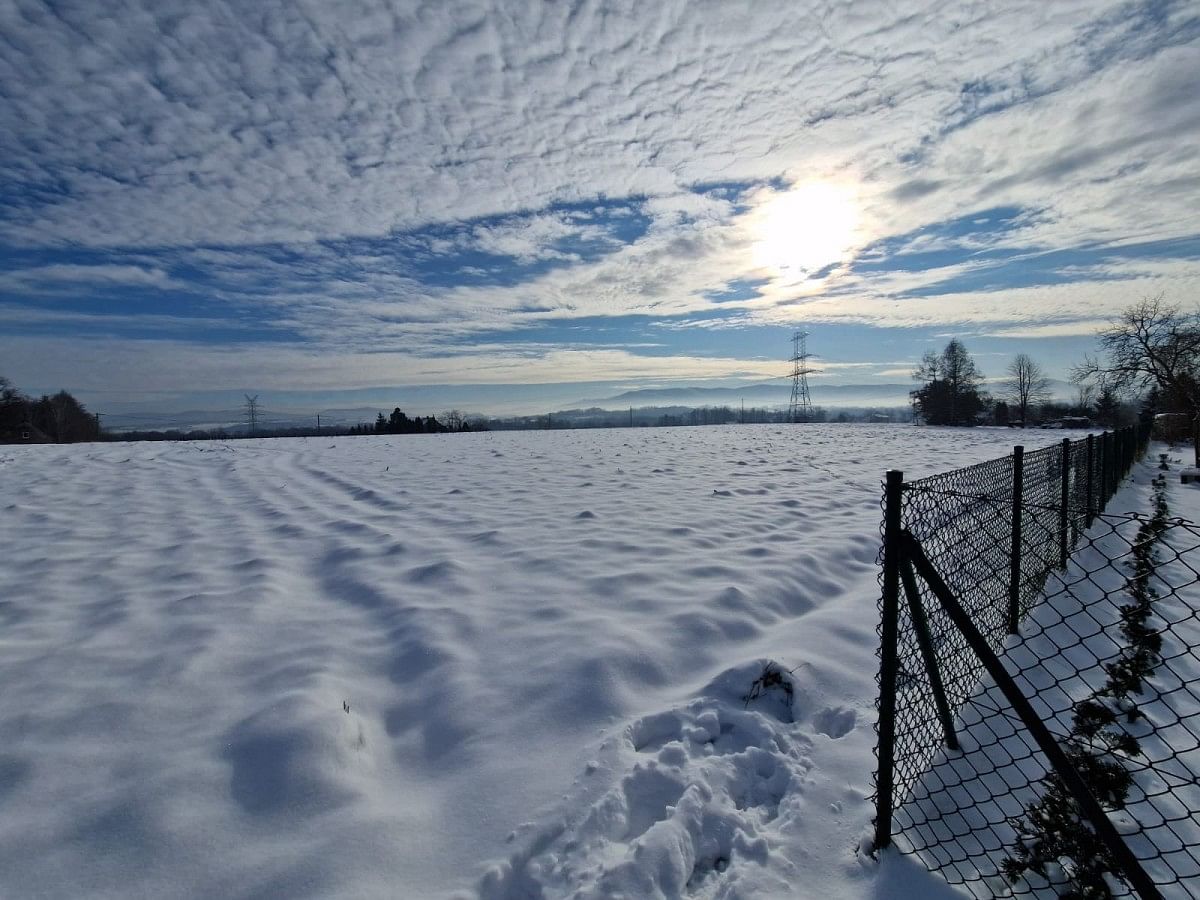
1039, 728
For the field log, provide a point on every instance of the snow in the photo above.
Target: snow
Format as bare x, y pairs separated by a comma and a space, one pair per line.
499, 665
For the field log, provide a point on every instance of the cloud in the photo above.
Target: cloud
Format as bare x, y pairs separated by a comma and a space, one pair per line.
108, 324
115, 365
69, 277
1082, 327
173, 123
532, 238
368, 180
1017, 306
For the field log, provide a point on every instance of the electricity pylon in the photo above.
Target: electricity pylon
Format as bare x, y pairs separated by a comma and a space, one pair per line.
252, 412
800, 409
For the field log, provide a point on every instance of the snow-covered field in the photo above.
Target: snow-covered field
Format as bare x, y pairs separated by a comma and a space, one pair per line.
507, 664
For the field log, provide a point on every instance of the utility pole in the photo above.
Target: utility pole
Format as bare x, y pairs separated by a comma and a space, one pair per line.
251, 412
318, 424
800, 409
631, 417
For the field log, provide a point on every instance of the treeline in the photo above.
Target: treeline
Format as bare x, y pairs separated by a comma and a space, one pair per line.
399, 423
682, 416
952, 393
57, 419
221, 434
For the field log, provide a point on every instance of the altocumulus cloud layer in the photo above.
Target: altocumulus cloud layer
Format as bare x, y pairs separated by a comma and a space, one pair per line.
365, 193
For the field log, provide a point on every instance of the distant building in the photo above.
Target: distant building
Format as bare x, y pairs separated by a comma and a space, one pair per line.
23, 433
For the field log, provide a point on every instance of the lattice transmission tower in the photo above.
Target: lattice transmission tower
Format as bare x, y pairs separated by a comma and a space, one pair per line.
800, 409
251, 412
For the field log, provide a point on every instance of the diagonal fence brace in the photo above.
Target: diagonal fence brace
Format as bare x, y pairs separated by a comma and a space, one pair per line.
925, 642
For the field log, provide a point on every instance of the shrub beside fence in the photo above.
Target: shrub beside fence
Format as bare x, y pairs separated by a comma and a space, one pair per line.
1040, 678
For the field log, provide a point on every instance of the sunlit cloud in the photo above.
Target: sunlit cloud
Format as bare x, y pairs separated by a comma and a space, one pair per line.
359, 178
1083, 327
809, 227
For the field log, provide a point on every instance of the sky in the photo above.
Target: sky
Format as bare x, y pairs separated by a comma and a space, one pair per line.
499, 206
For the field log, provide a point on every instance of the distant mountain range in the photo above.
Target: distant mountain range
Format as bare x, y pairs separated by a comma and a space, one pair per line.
773, 394
778, 393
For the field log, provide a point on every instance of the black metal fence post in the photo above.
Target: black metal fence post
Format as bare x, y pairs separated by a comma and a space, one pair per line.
888, 659
1109, 468
1111, 450
1090, 489
1064, 532
1114, 471
1119, 456
1014, 570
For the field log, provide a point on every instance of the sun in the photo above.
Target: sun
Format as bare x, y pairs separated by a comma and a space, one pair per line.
803, 230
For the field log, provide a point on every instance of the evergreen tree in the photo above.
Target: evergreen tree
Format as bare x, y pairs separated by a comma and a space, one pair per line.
64, 418
1108, 407
950, 393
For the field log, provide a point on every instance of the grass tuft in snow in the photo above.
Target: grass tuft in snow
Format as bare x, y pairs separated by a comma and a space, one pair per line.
771, 678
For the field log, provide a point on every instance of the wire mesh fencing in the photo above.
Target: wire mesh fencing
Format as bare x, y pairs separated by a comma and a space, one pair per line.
1039, 729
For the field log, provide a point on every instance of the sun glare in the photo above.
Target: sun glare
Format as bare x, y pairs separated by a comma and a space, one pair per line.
805, 229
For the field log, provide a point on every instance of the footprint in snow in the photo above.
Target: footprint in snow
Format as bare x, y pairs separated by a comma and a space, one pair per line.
836, 722
701, 785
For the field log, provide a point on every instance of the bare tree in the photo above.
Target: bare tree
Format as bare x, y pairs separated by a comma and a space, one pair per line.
1152, 344
1085, 396
14, 406
1027, 385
